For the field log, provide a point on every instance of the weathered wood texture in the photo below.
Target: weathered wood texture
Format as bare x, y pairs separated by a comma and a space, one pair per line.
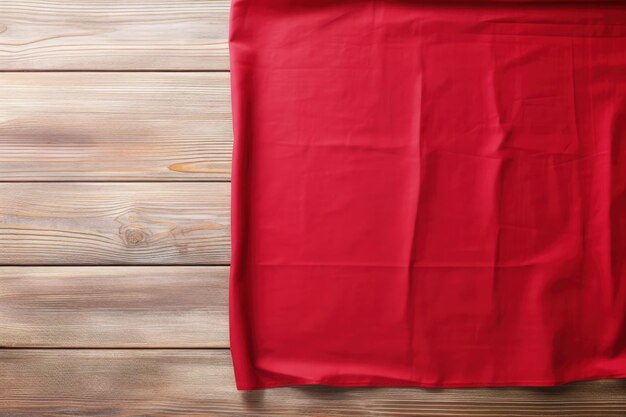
115, 126
200, 383
105, 307
113, 34
114, 223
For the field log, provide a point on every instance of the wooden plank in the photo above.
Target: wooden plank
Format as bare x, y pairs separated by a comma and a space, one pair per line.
114, 223
114, 34
115, 126
200, 383
104, 307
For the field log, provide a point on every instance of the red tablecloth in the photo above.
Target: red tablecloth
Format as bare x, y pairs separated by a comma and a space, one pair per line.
428, 193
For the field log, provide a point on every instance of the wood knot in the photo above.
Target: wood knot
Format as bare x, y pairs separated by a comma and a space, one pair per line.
135, 237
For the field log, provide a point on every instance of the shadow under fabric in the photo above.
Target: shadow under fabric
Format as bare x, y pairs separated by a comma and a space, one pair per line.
428, 193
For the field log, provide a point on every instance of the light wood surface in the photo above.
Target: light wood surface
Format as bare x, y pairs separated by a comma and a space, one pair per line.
115, 126
199, 383
114, 34
114, 223
114, 307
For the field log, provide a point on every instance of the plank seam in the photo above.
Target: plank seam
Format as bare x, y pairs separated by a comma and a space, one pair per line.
109, 348
112, 70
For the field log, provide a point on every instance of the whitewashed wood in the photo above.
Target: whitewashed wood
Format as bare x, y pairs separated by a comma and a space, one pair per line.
114, 223
114, 34
115, 126
105, 307
200, 383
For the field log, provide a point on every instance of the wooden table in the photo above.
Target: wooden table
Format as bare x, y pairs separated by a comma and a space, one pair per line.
115, 141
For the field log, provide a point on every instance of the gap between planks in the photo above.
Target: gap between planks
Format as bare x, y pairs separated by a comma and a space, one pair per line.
8, 71
157, 181
112, 348
129, 265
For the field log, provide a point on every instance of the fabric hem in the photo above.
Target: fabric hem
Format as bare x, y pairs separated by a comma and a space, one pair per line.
340, 382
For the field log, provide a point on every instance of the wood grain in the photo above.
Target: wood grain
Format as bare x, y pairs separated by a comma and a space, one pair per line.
114, 34
115, 126
104, 307
114, 223
200, 383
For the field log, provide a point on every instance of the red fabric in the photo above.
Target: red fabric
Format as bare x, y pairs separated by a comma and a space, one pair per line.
428, 194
